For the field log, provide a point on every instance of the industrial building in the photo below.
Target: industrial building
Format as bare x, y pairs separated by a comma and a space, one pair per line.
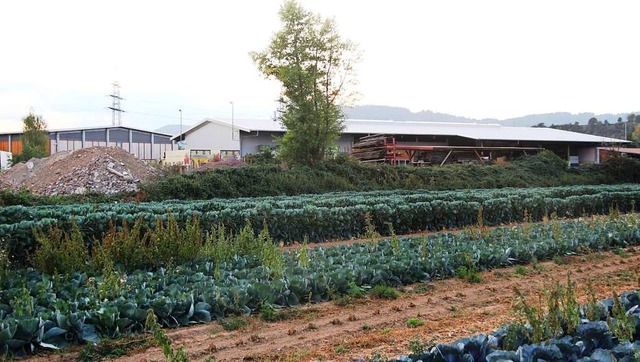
146, 145
408, 141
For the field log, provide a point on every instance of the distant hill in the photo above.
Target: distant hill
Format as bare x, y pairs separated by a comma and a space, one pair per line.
620, 129
172, 129
400, 114
403, 114
562, 118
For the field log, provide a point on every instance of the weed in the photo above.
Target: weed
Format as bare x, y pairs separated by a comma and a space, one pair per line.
163, 341
384, 292
342, 301
365, 327
627, 275
593, 309
113, 283
269, 313
621, 324
395, 241
232, 323
534, 316
469, 269
471, 275
522, 270
614, 212
303, 253
560, 260
340, 349
270, 255
23, 304
112, 348
515, 336
386, 331
414, 322
417, 347
355, 291
620, 252
369, 228
60, 252
562, 312
424, 288
537, 266
377, 357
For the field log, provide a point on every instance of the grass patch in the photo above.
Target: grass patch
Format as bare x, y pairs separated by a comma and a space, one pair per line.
112, 348
469, 274
424, 288
233, 323
620, 252
522, 270
414, 322
560, 260
384, 292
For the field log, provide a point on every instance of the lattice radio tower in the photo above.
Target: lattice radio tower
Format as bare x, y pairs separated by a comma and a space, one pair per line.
116, 110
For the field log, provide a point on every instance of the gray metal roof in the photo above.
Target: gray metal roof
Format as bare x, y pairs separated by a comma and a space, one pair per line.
467, 130
91, 128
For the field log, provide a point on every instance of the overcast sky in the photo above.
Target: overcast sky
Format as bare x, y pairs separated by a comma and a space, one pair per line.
479, 59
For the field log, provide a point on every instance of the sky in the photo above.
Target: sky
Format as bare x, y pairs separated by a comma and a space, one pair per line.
477, 59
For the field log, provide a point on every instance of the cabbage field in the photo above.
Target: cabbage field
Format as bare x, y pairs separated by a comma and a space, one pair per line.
325, 217
39, 311
593, 338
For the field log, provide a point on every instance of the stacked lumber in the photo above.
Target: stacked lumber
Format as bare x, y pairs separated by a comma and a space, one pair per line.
371, 148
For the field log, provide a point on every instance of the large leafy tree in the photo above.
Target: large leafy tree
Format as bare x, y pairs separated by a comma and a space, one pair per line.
35, 138
315, 66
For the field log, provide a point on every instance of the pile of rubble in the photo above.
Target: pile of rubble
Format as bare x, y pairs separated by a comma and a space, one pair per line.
106, 170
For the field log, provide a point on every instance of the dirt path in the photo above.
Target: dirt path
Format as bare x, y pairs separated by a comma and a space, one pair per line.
450, 309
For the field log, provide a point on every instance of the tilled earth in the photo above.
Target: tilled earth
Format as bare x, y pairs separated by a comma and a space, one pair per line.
450, 309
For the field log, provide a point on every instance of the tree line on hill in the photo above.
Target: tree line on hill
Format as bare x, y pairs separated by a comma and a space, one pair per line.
628, 129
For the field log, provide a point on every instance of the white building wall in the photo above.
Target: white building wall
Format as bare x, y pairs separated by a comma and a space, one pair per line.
251, 142
588, 155
212, 136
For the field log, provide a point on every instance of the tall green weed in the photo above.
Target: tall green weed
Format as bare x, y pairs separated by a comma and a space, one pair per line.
59, 252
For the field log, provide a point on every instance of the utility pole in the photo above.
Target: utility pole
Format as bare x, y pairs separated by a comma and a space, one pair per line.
116, 110
181, 134
233, 129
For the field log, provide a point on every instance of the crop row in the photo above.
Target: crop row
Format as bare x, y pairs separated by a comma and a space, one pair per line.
291, 219
16, 214
38, 310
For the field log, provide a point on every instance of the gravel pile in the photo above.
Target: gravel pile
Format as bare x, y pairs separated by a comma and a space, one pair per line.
106, 170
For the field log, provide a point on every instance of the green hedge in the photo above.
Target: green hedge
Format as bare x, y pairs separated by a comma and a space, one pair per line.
542, 170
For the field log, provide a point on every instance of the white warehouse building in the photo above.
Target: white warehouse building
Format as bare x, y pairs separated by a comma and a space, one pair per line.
247, 136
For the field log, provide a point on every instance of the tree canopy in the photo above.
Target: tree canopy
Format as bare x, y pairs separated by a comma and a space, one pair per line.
315, 66
35, 138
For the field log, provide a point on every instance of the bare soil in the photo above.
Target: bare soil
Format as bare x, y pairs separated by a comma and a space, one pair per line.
450, 309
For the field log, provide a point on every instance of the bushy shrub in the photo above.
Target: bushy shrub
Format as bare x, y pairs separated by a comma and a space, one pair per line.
343, 174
